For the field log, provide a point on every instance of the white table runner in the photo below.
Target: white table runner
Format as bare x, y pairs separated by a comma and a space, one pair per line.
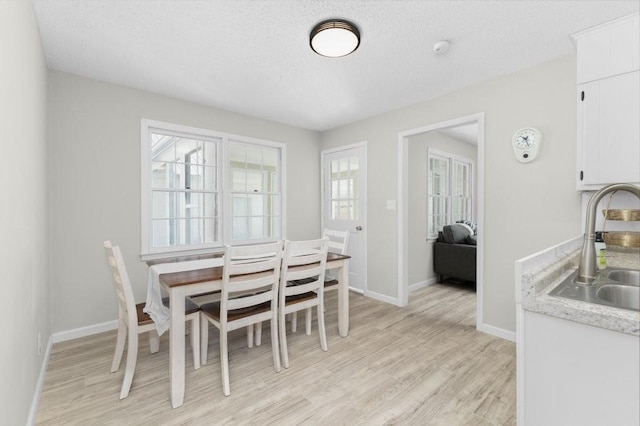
158, 312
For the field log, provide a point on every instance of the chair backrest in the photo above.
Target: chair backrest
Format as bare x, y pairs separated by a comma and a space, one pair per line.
250, 276
338, 240
124, 292
303, 260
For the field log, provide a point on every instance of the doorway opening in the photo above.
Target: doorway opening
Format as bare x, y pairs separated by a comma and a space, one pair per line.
406, 141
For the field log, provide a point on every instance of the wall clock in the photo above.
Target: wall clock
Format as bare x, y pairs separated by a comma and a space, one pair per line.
526, 143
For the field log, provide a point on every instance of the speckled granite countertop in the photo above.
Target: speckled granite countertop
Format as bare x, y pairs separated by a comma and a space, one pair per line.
537, 283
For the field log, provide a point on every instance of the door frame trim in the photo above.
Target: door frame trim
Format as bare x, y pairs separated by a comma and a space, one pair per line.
403, 178
323, 154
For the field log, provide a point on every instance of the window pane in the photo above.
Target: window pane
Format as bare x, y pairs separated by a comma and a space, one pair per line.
256, 228
162, 233
237, 154
254, 156
240, 205
210, 205
163, 204
254, 182
270, 159
210, 178
344, 167
240, 228
344, 188
335, 168
256, 205
185, 147
193, 178
239, 179
210, 230
353, 166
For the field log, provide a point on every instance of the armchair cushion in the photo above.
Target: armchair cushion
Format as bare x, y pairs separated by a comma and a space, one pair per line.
455, 234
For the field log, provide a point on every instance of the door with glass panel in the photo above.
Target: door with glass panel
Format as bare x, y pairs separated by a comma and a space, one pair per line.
344, 204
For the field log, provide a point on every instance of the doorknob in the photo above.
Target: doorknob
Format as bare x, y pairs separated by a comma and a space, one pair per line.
358, 228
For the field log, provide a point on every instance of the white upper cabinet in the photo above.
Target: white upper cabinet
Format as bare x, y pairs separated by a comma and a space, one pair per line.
609, 49
609, 103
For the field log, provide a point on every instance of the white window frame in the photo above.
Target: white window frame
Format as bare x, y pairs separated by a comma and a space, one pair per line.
147, 251
452, 159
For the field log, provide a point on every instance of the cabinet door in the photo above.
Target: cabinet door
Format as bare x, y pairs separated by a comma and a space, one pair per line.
609, 130
608, 50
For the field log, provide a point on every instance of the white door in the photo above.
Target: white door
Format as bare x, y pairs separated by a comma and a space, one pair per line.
344, 172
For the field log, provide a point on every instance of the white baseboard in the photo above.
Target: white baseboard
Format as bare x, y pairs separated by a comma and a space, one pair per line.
35, 402
498, 332
383, 298
84, 331
61, 337
422, 284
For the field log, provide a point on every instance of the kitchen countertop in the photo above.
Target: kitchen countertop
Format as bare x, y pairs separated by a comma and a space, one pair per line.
548, 269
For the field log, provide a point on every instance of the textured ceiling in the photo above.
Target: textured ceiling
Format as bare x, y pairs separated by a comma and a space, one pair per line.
253, 57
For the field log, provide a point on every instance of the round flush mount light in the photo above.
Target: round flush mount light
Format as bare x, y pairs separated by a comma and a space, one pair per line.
334, 38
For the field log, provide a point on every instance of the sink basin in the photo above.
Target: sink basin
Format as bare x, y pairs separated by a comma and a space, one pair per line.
619, 288
623, 296
625, 276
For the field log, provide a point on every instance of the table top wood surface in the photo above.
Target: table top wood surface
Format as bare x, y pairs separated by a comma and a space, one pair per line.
208, 274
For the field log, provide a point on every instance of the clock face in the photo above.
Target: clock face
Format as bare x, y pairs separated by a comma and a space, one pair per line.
526, 138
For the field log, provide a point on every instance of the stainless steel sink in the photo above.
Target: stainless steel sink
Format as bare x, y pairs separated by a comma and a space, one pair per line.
623, 296
619, 288
625, 276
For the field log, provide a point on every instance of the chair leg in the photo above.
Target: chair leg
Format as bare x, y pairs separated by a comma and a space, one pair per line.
154, 341
321, 330
275, 347
294, 321
132, 358
120, 340
195, 340
307, 321
250, 336
258, 334
282, 329
224, 363
204, 339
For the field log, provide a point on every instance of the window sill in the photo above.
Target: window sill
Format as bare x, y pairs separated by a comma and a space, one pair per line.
182, 254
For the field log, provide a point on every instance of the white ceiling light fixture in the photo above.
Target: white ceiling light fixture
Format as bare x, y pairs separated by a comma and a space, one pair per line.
334, 38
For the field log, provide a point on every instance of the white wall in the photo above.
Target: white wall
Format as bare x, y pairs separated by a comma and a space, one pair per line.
527, 206
420, 251
24, 305
95, 184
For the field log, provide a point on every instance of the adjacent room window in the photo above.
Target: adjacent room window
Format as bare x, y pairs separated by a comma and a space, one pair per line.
202, 189
449, 190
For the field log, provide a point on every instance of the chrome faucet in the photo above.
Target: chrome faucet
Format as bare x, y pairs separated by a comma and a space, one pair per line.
587, 271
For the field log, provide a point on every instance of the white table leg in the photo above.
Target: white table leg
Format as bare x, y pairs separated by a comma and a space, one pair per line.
176, 346
343, 299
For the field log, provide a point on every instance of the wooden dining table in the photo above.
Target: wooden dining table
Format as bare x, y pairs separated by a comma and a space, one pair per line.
190, 283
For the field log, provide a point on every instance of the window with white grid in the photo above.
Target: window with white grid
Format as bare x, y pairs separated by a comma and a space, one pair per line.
189, 175
449, 190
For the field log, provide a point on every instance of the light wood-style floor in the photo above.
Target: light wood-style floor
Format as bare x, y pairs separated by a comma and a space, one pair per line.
420, 365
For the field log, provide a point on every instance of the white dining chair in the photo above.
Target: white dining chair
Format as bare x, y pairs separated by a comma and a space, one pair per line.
249, 295
132, 321
304, 262
338, 243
